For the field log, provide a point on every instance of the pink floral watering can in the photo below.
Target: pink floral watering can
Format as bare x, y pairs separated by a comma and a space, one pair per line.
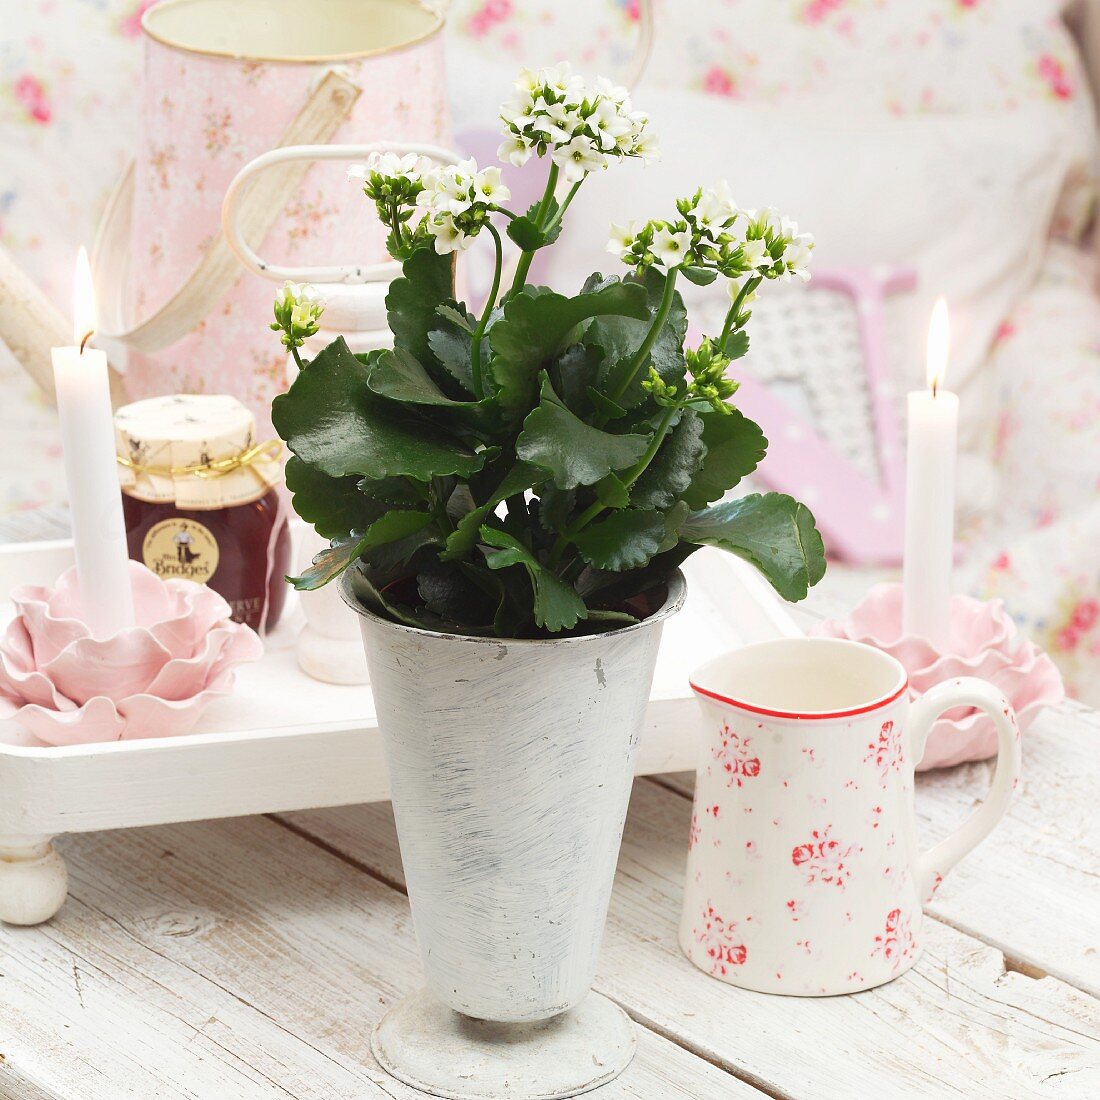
225, 82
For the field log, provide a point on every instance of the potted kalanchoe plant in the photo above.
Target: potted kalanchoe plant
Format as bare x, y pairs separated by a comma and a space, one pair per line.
509, 493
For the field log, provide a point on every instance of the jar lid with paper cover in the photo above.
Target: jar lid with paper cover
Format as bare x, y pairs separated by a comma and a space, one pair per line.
201, 499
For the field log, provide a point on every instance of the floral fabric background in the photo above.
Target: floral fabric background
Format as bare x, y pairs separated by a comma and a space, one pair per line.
70, 69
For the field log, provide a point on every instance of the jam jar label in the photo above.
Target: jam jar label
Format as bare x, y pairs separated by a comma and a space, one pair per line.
181, 548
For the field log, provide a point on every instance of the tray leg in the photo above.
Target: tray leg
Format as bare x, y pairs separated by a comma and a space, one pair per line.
33, 880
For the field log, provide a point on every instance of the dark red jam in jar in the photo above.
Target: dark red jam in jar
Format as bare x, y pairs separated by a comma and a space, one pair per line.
201, 500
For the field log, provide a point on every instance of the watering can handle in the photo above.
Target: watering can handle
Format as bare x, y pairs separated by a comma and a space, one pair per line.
240, 187
218, 271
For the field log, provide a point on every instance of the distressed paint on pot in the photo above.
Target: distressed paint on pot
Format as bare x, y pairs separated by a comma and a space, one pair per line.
511, 763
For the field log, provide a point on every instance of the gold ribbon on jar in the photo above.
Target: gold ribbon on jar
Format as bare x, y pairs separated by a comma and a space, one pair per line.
270, 451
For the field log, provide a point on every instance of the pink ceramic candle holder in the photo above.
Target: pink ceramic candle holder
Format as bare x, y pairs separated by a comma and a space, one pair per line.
984, 643
150, 680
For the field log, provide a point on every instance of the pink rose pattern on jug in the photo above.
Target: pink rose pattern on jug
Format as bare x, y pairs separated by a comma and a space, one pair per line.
821, 859
804, 874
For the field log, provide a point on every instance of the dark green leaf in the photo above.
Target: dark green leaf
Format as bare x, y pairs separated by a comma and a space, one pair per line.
411, 303
572, 374
669, 474
734, 447
573, 452
674, 519
736, 344
391, 491
624, 540
457, 315
519, 479
334, 505
557, 605
397, 559
330, 563
608, 409
772, 531
555, 506
526, 234
451, 346
400, 377
371, 596
596, 615
331, 420
700, 276
537, 324
621, 337
455, 598
612, 493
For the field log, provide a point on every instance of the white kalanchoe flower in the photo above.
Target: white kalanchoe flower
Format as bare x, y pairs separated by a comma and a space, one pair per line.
553, 110
450, 188
448, 237
298, 309
457, 200
489, 188
645, 147
671, 248
715, 209
291, 294
578, 157
756, 253
561, 79
411, 166
621, 238
608, 90
733, 288
515, 150
391, 164
796, 256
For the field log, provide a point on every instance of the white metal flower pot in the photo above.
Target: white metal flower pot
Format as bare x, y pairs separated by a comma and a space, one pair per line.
510, 765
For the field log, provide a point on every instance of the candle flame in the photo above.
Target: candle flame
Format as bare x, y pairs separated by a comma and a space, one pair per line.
84, 318
939, 343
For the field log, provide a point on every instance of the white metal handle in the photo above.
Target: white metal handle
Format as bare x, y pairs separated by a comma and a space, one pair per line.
341, 273
968, 692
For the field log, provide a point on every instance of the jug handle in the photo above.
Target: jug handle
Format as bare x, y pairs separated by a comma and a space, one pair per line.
967, 692
339, 273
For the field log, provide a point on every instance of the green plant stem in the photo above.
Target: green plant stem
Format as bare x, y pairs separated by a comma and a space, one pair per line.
297, 357
438, 507
620, 384
735, 310
525, 258
475, 340
560, 212
595, 509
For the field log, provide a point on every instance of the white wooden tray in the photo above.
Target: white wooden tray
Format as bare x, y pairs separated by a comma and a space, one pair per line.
282, 741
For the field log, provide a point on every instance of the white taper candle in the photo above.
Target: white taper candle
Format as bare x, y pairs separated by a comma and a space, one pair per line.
88, 443
930, 497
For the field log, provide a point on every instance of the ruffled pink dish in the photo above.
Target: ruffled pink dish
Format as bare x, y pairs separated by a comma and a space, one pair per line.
984, 643
152, 680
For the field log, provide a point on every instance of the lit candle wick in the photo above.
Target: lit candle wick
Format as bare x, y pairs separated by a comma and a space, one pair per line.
939, 340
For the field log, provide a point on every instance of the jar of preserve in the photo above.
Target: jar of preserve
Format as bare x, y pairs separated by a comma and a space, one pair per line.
201, 500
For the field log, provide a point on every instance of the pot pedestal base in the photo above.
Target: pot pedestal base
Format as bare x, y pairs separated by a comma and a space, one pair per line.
429, 1046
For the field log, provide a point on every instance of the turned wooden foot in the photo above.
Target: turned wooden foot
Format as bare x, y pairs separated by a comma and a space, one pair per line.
33, 880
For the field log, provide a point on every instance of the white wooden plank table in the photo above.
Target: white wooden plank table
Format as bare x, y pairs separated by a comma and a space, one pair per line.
249, 958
